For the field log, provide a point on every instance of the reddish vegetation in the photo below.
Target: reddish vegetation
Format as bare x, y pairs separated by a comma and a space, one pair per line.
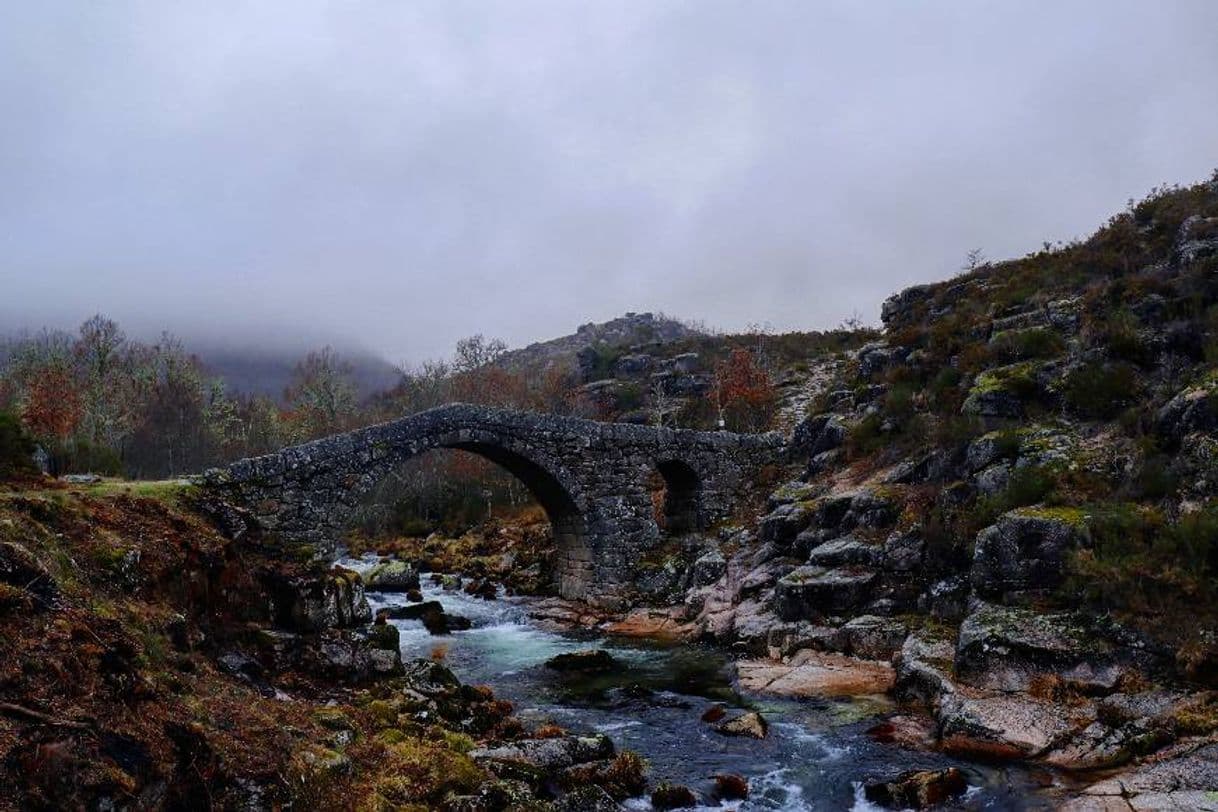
111, 688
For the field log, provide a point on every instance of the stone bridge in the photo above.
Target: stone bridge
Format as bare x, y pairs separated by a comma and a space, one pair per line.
591, 478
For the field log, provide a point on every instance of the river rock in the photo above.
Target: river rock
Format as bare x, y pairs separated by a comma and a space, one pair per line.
392, 576
923, 668
549, 754
1180, 779
314, 602
917, 789
815, 673
433, 616
384, 636
596, 661
1012, 649
672, 796
731, 787
750, 724
663, 624
587, 799
992, 726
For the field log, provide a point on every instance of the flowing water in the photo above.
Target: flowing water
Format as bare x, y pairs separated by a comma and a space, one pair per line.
816, 755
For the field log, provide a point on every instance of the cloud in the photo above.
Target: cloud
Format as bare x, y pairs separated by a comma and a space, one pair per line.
406, 174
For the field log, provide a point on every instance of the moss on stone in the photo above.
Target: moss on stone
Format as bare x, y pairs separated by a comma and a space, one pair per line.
1072, 516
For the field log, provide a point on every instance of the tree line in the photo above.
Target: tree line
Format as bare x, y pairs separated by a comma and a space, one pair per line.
99, 401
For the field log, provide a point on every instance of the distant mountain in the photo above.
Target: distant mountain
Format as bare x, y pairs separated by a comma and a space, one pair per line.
261, 371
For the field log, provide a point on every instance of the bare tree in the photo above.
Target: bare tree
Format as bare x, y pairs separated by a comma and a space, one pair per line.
477, 351
974, 259
661, 403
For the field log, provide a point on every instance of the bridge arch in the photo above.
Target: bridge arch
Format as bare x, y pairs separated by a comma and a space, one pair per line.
680, 506
585, 474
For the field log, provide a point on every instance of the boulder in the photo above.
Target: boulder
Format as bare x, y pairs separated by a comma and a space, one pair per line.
946, 599
1012, 649
903, 552
1024, 553
549, 754
809, 592
384, 636
318, 601
917, 789
341, 654
906, 305
392, 576
781, 525
708, 568
587, 799
993, 403
1193, 410
990, 726
819, 433
994, 479
923, 668
750, 724
843, 551
872, 637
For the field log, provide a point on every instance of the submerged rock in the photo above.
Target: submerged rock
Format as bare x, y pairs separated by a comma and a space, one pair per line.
731, 787
432, 615
596, 661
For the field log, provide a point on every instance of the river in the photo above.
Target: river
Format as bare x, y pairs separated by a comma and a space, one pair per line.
816, 756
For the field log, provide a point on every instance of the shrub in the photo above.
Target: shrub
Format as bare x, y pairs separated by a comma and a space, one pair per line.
16, 447
1120, 338
1140, 562
1024, 345
1027, 486
1155, 479
1098, 390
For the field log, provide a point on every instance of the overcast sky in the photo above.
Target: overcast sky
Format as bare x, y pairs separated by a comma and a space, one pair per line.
406, 173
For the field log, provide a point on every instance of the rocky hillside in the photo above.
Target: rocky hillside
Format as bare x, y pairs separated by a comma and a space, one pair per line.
1011, 496
631, 329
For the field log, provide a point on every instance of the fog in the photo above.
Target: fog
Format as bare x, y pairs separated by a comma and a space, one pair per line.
398, 175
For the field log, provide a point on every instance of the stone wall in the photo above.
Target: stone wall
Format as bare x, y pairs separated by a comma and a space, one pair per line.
590, 477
